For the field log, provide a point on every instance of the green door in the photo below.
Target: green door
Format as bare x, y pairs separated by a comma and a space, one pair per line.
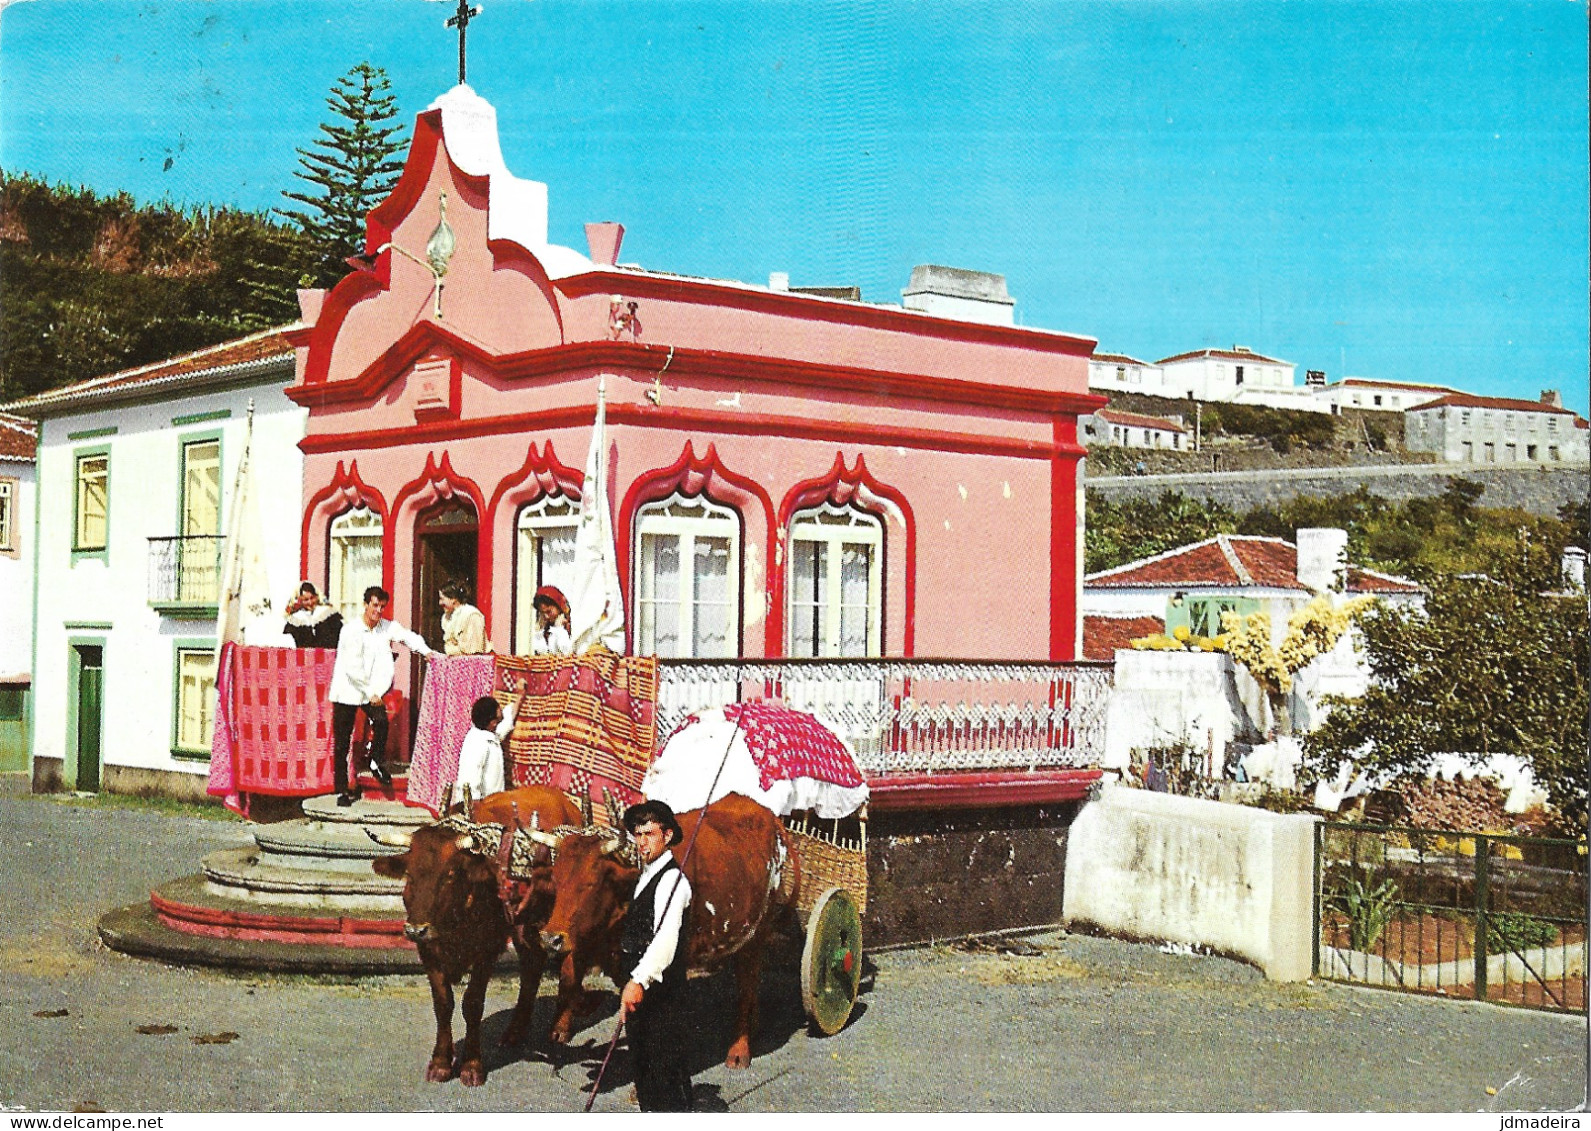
89, 664
13, 727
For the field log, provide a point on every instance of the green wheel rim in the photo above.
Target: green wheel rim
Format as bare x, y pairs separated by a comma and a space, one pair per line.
831, 961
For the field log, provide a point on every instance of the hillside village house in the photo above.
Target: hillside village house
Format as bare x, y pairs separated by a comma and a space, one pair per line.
135, 471
1462, 428
790, 474
1238, 375
17, 439
1120, 373
1134, 430
1385, 396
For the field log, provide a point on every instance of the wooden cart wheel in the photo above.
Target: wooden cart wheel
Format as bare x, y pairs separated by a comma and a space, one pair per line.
831, 961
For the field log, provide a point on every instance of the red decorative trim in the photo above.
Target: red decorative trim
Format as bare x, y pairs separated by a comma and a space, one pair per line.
694, 476
437, 482
647, 359
218, 923
841, 487
890, 792
703, 420
675, 288
1064, 518
346, 492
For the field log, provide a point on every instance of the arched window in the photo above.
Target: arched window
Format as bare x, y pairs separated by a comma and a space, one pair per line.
544, 554
354, 563
688, 579
835, 582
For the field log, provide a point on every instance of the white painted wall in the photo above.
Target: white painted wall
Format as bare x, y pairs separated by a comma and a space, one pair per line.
1495, 436
144, 502
1127, 377
16, 574
1385, 398
1215, 378
1155, 866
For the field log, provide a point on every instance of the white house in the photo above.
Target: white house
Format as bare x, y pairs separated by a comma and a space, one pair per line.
1109, 426
1383, 396
1119, 373
1462, 428
1237, 375
17, 438
135, 471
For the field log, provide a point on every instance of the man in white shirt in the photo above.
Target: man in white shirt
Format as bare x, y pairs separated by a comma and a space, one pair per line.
481, 755
361, 676
653, 948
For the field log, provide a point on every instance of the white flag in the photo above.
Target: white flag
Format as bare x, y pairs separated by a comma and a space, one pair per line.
596, 606
245, 589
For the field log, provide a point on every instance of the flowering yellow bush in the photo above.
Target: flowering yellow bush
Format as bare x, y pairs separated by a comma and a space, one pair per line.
1180, 640
1312, 630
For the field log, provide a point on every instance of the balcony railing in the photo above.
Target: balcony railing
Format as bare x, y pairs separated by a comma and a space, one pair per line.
916, 716
185, 570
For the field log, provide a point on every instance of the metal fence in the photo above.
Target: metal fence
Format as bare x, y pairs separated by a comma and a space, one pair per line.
916, 716
185, 570
1453, 913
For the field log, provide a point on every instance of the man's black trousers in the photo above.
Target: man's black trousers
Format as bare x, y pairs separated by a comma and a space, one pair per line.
342, 732
661, 1045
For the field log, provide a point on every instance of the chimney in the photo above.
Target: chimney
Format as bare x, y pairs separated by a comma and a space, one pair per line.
778, 280
1574, 568
1240, 349
604, 239
1554, 398
1322, 558
951, 292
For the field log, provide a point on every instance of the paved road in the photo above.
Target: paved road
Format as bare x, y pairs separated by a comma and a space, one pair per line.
1080, 1024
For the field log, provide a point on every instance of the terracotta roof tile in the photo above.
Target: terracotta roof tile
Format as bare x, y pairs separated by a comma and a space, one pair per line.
1469, 400
1224, 355
1102, 635
17, 436
1119, 358
1134, 420
1372, 383
255, 347
1234, 561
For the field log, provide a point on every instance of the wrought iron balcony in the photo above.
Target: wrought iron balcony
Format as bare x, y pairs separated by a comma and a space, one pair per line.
917, 716
185, 570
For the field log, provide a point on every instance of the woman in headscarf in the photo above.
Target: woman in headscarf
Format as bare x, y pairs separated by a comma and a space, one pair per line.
551, 634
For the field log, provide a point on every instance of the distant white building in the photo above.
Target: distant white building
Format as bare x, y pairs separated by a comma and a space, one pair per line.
1237, 375
1132, 430
1461, 428
1119, 373
17, 438
135, 473
1383, 396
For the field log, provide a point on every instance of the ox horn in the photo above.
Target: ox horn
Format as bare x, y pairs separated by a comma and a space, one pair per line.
585, 809
391, 840
447, 798
615, 810
469, 805
465, 843
535, 834
611, 846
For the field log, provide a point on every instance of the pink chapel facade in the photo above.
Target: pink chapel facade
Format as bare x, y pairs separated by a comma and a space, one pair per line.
789, 475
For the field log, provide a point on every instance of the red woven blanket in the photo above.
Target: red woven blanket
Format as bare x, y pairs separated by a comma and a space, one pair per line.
588, 724
787, 744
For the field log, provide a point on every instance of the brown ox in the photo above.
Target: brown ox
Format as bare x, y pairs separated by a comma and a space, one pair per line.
744, 882
456, 920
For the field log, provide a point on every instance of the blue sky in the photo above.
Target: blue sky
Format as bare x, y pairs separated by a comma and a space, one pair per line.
1388, 189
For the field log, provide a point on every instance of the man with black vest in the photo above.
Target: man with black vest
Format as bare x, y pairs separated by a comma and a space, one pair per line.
653, 948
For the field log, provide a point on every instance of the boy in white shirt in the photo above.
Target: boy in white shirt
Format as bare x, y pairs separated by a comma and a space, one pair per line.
481, 755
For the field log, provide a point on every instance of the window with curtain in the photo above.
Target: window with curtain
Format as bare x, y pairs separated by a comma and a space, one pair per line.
195, 699
688, 580
199, 556
8, 515
544, 555
354, 563
835, 583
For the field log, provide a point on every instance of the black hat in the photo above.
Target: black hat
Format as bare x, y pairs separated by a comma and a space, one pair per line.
637, 815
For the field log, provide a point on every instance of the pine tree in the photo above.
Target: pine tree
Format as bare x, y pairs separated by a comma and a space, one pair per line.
352, 167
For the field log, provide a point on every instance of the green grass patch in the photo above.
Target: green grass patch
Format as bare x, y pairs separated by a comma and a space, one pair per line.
165, 806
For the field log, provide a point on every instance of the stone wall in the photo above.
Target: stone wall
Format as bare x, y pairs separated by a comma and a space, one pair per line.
1537, 490
954, 872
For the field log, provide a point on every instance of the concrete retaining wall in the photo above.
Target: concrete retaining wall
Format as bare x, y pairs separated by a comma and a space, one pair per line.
1154, 866
1534, 489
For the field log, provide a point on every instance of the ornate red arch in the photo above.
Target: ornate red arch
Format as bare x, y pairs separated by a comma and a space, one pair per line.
345, 492
692, 476
844, 488
437, 483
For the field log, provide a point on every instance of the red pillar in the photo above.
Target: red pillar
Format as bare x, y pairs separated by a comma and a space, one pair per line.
1066, 528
